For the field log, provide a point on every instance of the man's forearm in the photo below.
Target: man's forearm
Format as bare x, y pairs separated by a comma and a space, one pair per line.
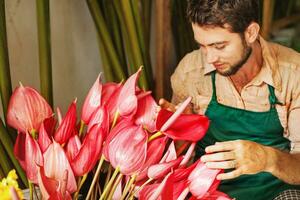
284, 166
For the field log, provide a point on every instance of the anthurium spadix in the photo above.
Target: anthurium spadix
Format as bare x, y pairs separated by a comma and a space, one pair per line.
66, 127
92, 101
178, 126
27, 109
127, 149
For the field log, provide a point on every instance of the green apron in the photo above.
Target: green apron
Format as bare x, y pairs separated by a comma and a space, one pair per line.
229, 123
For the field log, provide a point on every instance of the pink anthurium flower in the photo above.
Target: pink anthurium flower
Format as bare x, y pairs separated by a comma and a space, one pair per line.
45, 132
157, 171
89, 152
29, 155
127, 100
154, 153
203, 180
217, 195
27, 109
108, 91
128, 149
73, 147
67, 126
55, 165
100, 116
110, 99
146, 112
92, 101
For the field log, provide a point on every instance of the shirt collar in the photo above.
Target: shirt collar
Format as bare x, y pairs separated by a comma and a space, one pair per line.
269, 72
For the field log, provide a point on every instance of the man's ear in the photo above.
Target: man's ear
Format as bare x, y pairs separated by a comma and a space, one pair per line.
252, 32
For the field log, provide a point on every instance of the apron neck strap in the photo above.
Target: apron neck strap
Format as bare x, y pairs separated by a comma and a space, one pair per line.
272, 97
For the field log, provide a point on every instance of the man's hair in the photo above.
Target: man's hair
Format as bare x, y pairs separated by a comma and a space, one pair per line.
238, 14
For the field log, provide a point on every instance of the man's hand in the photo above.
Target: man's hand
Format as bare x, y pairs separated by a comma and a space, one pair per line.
245, 157
171, 107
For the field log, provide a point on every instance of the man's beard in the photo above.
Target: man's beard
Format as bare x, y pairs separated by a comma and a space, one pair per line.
234, 68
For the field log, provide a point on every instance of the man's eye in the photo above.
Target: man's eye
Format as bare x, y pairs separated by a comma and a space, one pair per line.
219, 46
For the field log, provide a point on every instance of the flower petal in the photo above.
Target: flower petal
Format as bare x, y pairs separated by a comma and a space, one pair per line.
27, 109
73, 147
67, 126
92, 101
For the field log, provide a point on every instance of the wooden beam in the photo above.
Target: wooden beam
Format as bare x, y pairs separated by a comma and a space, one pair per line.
268, 9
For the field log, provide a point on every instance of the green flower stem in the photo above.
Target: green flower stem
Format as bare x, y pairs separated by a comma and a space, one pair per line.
105, 37
113, 189
5, 79
133, 39
44, 38
95, 178
108, 175
30, 190
155, 135
2, 174
108, 187
80, 185
128, 185
8, 145
142, 186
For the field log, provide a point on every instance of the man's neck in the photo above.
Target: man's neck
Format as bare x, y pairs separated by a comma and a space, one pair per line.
250, 69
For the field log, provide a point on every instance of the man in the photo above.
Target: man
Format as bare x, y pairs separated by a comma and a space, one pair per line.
250, 90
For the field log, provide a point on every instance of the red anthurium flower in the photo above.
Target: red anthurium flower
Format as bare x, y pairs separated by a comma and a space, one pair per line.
110, 99
157, 171
203, 180
170, 153
66, 128
45, 133
190, 127
100, 116
154, 153
188, 154
108, 90
89, 152
19, 149
55, 165
92, 101
128, 149
183, 173
146, 112
217, 195
27, 109
180, 190
127, 100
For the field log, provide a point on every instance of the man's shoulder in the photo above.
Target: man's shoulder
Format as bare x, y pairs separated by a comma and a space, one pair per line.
286, 57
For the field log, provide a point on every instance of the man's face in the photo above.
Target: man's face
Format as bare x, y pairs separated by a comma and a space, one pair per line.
227, 51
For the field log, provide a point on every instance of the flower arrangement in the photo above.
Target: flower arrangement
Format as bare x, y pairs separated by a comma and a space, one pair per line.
123, 139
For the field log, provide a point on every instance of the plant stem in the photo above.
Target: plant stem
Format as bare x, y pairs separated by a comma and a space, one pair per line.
80, 185
142, 186
30, 190
107, 188
95, 177
128, 185
120, 176
81, 128
116, 116
44, 38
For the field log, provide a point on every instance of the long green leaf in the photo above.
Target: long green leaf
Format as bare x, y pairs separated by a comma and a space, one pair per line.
5, 80
2, 174
105, 37
8, 145
141, 39
44, 36
133, 40
4, 160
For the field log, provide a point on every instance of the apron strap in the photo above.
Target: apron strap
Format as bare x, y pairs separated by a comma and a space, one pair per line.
272, 97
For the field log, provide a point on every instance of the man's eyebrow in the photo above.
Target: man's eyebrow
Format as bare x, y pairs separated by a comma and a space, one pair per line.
212, 44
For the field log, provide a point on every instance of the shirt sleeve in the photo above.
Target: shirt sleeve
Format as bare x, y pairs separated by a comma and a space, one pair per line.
178, 84
294, 115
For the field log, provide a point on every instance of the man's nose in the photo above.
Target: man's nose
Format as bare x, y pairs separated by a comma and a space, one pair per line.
211, 57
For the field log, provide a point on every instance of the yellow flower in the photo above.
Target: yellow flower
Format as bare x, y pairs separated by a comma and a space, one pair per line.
7, 183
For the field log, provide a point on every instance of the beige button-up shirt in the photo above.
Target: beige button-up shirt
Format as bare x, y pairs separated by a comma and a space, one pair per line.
281, 69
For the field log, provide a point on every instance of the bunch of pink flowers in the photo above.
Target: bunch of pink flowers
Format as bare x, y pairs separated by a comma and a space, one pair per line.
122, 125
